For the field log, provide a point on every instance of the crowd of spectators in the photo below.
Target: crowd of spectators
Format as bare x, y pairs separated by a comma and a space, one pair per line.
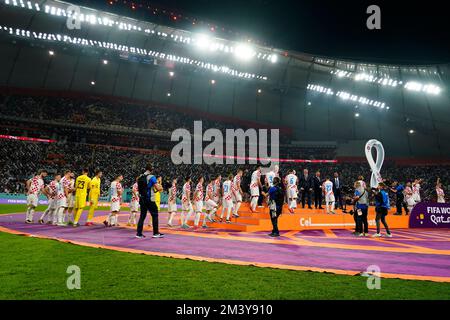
19, 160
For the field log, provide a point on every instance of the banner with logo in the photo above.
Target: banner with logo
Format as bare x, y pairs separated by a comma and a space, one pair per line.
430, 215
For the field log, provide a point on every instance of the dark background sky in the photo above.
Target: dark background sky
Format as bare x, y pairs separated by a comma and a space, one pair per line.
412, 31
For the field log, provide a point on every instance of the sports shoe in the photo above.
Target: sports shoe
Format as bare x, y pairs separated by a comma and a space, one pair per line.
75, 225
184, 226
228, 221
205, 226
274, 235
41, 221
235, 215
377, 235
210, 219
106, 223
128, 224
158, 235
291, 210
88, 224
28, 221
170, 225
49, 222
140, 237
388, 235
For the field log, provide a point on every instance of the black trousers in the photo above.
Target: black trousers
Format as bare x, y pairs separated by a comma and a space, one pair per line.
317, 198
381, 217
148, 206
362, 225
400, 203
306, 194
275, 221
338, 197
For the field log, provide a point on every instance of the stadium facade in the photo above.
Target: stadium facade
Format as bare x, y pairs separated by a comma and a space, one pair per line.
322, 99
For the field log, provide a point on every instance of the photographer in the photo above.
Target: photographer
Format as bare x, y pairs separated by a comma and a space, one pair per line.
361, 200
276, 201
382, 207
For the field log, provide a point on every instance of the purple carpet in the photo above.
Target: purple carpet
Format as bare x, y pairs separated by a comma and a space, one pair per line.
410, 254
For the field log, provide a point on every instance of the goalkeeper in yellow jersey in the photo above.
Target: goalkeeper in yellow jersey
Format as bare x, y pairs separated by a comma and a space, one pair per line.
94, 195
81, 189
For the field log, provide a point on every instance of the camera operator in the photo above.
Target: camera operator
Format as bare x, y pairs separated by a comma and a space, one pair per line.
361, 200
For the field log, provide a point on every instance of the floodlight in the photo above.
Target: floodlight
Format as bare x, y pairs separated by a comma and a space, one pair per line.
244, 52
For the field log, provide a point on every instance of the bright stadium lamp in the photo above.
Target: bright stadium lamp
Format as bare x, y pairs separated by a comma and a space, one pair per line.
202, 41
105, 61
51, 52
244, 52
273, 58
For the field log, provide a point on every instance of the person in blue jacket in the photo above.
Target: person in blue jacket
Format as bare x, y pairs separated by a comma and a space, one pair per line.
382, 207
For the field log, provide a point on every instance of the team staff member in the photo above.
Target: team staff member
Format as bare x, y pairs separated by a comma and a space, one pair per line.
362, 208
147, 185
94, 195
81, 188
382, 207
276, 201
400, 203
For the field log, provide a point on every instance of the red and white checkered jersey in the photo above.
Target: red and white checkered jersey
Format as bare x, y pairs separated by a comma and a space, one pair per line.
291, 180
209, 191
227, 189
416, 189
173, 193
135, 192
186, 190
116, 188
236, 182
63, 184
199, 192
408, 192
256, 176
36, 185
217, 188
328, 188
440, 192
53, 190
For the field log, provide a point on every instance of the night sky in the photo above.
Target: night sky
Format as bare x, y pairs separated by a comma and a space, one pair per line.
412, 32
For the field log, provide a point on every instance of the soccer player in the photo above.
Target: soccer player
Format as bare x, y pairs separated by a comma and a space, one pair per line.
291, 188
134, 204
217, 191
116, 198
237, 192
172, 203
210, 204
409, 197
440, 195
94, 195
198, 201
227, 198
255, 184
82, 186
35, 186
52, 201
416, 190
63, 191
329, 196
186, 205
71, 199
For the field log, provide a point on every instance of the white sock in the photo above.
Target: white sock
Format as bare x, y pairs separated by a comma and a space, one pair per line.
188, 216
332, 206
60, 215
197, 218
254, 203
45, 214
170, 218
236, 207
182, 218
31, 214
228, 213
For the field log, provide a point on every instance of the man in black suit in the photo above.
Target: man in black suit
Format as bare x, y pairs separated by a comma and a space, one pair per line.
337, 187
318, 192
306, 187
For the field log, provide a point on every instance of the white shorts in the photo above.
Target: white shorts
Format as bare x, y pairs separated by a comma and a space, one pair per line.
198, 206
254, 192
329, 198
134, 206
32, 200
70, 201
237, 196
62, 203
216, 199
115, 206
292, 193
172, 207
227, 203
210, 204
186, 206
410, 202
52, 204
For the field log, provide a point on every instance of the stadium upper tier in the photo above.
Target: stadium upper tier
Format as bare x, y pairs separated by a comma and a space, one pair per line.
321, 99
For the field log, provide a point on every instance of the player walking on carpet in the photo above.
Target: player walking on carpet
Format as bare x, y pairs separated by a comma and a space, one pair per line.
94, 195
82, 186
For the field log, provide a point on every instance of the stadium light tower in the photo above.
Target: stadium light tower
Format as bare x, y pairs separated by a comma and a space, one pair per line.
51, 52
202, 41
105, 62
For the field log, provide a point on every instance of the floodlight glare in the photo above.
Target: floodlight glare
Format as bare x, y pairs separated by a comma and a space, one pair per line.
273, 58
244, 52
202, 41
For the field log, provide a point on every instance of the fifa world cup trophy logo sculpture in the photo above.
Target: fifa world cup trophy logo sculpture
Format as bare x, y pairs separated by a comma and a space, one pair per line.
375, 165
